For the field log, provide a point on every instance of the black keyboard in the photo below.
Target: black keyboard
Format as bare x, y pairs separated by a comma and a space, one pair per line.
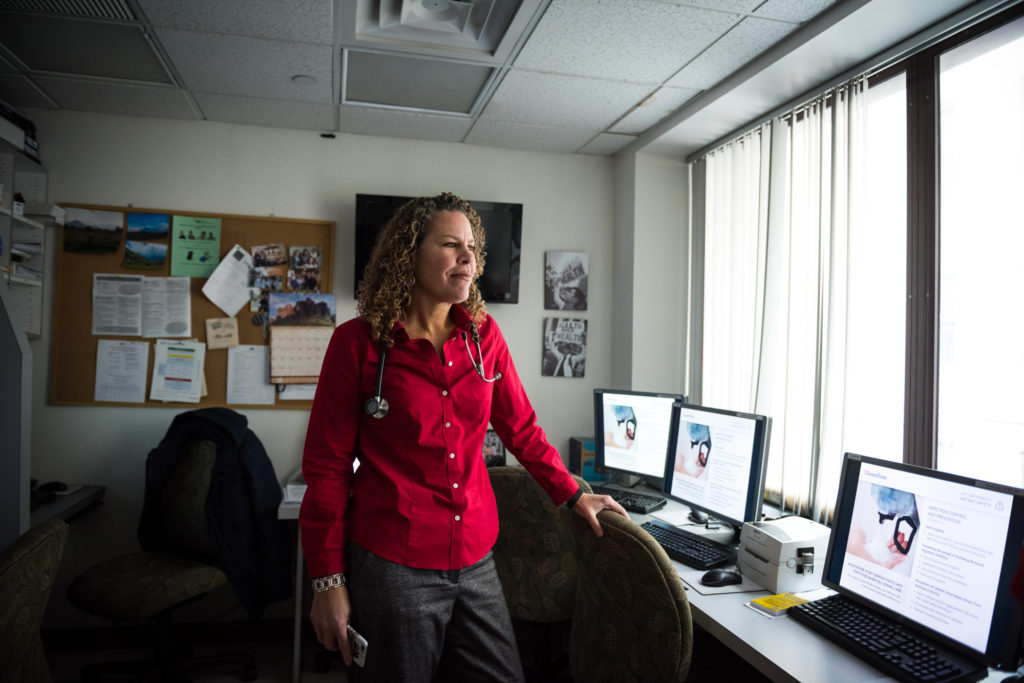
884, 643
689, 548
633, 502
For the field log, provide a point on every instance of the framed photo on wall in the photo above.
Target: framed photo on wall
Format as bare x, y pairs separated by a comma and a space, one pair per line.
494, 449
565, 347
565, 280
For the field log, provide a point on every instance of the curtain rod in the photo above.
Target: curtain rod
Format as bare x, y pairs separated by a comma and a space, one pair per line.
922, 40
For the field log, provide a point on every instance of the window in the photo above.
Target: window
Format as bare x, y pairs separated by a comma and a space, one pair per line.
885, 317
981, 240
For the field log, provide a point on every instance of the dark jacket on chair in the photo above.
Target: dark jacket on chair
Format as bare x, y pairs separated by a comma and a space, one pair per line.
252, 544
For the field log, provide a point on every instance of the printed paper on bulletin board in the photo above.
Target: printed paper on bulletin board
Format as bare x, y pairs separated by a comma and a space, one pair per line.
73, 355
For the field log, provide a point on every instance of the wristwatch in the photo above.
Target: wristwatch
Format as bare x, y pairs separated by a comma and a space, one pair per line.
326, 583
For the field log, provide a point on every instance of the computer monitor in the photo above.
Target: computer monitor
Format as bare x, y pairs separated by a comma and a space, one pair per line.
718, 463
633, 432
934, 550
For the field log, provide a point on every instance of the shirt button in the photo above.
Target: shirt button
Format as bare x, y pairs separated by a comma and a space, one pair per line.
455, 486
447, 424
451, 455
444, 393
449, 363
458, 518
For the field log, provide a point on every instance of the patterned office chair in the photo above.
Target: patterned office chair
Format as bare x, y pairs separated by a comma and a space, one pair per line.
147, 585
28, 568
536, 560
631, 621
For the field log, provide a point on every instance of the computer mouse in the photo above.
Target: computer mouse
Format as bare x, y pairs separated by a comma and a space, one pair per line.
698, 517
721, 577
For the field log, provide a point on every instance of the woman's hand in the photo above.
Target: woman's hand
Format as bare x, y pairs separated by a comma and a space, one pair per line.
590, 504
329, 615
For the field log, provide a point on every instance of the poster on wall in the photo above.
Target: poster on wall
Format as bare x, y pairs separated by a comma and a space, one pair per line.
565, 280
565, 347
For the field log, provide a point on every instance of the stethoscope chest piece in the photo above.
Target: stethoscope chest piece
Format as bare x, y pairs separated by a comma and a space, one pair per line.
376, 406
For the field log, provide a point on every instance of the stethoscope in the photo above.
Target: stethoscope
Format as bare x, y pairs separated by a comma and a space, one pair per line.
377, 406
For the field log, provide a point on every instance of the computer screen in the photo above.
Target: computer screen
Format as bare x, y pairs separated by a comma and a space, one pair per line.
718, 463
932, 549
633, 432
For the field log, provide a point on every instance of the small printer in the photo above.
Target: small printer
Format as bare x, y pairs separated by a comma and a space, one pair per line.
783, 555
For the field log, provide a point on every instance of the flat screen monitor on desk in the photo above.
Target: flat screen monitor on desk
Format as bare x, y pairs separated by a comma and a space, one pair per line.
936, 551
634, 432
718, 463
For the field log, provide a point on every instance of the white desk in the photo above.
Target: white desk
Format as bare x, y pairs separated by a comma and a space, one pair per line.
287, 510
782, 649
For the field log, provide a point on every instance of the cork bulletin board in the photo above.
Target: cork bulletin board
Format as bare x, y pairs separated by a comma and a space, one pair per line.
74, 351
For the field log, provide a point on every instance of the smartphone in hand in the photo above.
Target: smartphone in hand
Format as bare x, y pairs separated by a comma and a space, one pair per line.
358, 646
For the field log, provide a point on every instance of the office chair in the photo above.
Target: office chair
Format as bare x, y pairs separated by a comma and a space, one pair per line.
631, 620
149, 585
28, 568
535, 555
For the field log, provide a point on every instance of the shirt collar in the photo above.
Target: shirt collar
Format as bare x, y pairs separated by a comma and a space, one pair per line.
462, 323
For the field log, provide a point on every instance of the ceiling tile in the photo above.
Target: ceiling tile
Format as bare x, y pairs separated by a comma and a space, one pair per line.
792, 10
263, 112
624, 40
253, 67
653, 109
110, 97
606, 144
522, 136
742, 6
82, 47
745, 41
412, 82
567, 101
22, 93
363, 120
302, 21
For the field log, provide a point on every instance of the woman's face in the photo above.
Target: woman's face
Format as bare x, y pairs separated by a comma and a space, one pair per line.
445, 262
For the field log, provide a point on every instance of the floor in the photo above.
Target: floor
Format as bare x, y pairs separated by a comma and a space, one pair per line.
273, 664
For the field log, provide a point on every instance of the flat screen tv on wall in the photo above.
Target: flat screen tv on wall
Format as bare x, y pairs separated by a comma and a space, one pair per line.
503, 225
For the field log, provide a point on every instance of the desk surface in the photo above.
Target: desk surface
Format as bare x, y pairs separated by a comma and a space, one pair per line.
67, 505
782, 649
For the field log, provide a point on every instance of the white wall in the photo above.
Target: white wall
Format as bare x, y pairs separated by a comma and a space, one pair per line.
651, 273
202, 166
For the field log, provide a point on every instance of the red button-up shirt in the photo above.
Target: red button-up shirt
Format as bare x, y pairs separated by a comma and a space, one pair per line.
421, 495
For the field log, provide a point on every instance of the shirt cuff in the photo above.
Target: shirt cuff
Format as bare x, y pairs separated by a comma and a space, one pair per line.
575, 497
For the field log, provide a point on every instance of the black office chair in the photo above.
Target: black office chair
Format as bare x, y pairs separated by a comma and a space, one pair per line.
145, 586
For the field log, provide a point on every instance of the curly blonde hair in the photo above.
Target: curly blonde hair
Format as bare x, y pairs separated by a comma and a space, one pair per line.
386, 288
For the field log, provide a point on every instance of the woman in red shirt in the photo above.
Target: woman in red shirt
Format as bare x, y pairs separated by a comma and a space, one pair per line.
403, 545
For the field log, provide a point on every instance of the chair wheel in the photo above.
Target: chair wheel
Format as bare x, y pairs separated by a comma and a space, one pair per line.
322, 661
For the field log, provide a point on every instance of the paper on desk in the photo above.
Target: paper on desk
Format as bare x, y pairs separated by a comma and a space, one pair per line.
673, 517
692, 578
228, 285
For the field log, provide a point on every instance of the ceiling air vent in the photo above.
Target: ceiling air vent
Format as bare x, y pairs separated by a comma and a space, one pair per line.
95, 9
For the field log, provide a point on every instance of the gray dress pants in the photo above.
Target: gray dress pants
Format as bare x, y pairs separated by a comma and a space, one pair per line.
425, 625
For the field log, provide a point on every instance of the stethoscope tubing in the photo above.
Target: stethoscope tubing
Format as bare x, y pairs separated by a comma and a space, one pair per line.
377, 406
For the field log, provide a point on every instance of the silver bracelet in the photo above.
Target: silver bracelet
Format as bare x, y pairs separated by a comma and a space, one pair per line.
326, 583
